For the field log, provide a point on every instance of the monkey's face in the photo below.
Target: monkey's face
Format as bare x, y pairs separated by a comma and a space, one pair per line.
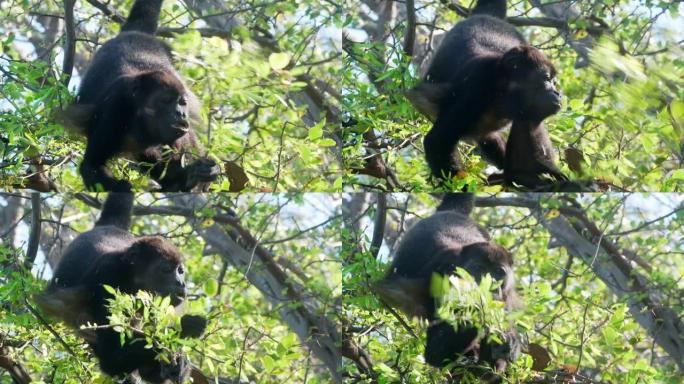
532, 89
480, 259
169, 280
166, 114
157, 268
536, 95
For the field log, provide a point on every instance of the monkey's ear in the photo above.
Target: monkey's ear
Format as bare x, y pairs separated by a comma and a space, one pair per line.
142, 250
408, 295
494, 252
148, 250
68, 304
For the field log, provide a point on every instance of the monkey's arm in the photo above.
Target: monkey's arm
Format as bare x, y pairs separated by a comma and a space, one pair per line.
459, 112
106, 133
443, 343
119, 360
93, 169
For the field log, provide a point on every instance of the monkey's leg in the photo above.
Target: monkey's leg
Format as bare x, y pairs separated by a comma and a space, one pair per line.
493, 148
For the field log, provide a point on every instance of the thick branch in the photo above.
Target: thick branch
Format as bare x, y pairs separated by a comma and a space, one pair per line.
34, 236
585, 241
16, 371
70, 41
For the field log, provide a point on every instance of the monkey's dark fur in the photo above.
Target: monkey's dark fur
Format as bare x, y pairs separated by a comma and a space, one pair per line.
483, 77
438, 244
133, 102
109, 254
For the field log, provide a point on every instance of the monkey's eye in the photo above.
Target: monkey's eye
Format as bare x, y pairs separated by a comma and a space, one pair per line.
181, 270
182, 101
168, 98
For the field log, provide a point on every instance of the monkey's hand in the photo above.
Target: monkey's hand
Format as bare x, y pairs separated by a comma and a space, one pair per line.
201, 171
192, 326
177, 370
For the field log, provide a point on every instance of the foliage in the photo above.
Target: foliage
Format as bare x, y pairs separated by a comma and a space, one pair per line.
463, 301
253, 68
621, 123
565, 309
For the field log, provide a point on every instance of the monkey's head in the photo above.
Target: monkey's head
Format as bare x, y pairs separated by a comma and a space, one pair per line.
157, 267
164, 105
483, 258
529, 84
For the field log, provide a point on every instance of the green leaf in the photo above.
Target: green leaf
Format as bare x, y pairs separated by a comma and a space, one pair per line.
327, 142
316, 132
289, 340
211, 287
278, 60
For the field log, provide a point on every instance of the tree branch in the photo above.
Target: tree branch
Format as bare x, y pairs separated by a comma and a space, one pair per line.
34, 235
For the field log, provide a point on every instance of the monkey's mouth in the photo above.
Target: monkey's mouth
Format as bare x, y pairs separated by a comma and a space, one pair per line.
177, 298
181, 126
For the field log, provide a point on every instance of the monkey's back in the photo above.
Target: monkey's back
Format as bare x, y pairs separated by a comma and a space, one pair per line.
88, 248
128, 53
477, 36
445, 230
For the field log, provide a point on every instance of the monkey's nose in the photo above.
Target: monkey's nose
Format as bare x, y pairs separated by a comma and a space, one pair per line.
181, 114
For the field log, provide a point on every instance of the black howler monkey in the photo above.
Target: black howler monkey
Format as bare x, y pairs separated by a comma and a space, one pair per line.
132, 101
109, 254
483, 77
438, 244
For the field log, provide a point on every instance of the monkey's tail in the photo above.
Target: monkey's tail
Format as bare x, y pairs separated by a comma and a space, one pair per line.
461, 202
117, 210
144, 17
496, 8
